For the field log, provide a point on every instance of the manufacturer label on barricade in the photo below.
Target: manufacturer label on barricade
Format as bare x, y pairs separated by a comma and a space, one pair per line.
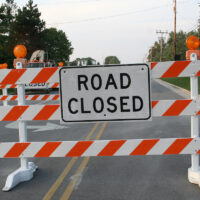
105, 93
36, 86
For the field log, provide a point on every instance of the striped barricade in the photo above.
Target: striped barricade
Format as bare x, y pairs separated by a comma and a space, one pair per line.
162, 108
50, 75
100, 148
175, 69
46, 97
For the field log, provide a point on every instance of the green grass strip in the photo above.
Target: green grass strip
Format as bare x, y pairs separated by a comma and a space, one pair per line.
183, 82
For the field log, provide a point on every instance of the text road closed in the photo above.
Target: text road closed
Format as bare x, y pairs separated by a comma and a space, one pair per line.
105, 93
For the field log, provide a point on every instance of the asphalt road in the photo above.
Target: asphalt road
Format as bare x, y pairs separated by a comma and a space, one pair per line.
107, 178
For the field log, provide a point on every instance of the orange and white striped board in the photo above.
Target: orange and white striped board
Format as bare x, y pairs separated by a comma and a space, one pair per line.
175, 69
162, 108
100, 148
175, 108
29, 75
46, 97
30, 112
50, 75
159, 108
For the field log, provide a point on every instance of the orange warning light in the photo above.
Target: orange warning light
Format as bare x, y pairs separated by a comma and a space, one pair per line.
20, 51
60, 64
192, 42
4, 66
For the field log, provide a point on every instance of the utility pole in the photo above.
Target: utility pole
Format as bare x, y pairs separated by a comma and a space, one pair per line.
174, 29
161, 39
198, 29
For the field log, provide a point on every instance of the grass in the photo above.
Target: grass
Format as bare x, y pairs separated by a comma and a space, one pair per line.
183, 82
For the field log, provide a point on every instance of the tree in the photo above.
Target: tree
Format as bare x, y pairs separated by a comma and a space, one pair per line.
24, 26
57, 45
168, 47
79, 62
7, 15
181, 48
111, 60
154, 52
27, 27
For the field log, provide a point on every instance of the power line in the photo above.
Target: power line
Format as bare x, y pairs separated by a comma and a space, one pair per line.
111, 16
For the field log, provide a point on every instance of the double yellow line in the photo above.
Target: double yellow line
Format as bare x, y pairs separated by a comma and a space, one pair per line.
69, 189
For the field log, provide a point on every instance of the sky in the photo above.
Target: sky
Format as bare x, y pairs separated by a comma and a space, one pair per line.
123, 28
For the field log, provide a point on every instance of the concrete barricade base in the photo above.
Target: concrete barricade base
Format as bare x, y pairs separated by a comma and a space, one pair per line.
194, 176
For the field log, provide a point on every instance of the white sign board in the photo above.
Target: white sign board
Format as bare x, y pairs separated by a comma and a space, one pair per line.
105, 93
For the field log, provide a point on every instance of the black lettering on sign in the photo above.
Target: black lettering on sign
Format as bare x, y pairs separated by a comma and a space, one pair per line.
69, 106
123, 103
111, 82
140, 101
82, 80
124, 76
83, 108
114, 109
96, 85
101, 105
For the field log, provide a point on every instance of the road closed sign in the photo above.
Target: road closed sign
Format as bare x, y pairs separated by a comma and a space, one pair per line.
105, 93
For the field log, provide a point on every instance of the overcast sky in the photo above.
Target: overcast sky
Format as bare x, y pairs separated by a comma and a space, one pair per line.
124, 28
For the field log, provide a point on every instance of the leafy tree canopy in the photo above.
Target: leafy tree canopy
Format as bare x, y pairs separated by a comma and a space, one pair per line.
7, 14
83, 62
25, 26
111, 60
168, 47
57, 45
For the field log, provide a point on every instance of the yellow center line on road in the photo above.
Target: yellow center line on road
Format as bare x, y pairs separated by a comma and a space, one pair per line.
68, 191
67, 169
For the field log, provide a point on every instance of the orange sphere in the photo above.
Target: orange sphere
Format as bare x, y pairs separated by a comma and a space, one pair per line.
60, 64
192, 42
20, 51
5, 65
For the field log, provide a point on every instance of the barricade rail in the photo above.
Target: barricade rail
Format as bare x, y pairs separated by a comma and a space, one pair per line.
100, 148
160, 108
46, 97
50, 75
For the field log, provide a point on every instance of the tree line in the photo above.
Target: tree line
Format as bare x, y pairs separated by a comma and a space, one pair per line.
25, 26
168, 47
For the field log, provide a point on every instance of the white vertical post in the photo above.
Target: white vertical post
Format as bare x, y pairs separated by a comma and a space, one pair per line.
5, 92
194, 121
26, 170
22, 124
194, 171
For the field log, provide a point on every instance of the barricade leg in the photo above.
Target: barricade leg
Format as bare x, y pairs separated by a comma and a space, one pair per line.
194, 171
25, 172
